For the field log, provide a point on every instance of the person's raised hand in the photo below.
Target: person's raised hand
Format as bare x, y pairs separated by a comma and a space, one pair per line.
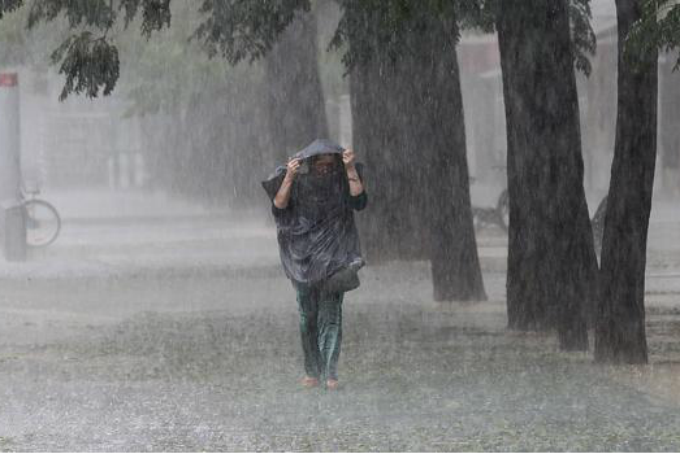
348, 158
293, 167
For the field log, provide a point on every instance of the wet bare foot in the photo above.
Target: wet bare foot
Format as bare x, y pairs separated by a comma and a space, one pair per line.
310, 382
332, 385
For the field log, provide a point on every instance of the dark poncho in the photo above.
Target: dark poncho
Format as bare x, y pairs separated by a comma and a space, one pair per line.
316, 231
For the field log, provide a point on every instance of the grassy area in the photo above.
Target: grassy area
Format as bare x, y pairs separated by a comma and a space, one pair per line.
414, 378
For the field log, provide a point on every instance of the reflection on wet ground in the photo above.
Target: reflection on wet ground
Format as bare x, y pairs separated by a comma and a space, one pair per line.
202, 353
217, 369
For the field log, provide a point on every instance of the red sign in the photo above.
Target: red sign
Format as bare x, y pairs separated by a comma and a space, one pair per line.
9, 80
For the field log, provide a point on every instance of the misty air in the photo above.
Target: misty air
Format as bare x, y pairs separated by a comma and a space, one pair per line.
339, 225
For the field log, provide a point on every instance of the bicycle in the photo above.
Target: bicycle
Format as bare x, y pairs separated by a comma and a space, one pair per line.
43, 222
497, 215
500, 216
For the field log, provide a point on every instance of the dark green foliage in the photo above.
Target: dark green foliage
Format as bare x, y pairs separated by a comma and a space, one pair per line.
658, 28
245, 29
369, 27
102, 14
7, 6
234, 29
582, 34
91, 13
88, 58
584, 41
155, 14
89, 64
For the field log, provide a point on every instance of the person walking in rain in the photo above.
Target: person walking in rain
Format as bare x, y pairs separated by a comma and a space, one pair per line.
313, 201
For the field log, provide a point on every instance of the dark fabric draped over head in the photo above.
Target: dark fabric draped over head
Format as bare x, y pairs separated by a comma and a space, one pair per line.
316, 231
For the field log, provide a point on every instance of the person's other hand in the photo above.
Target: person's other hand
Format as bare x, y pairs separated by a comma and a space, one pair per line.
293, 167
348, 158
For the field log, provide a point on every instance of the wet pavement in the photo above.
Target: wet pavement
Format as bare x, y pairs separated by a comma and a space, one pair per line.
179, 333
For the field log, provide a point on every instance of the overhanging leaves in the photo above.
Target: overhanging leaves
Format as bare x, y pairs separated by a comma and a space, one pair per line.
372, 27
89, 65
91, 13
658, 28
155, 14
245, 29
7, 6
89, 62
582, 34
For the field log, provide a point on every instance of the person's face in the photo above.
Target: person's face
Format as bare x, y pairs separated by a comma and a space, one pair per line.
323, 164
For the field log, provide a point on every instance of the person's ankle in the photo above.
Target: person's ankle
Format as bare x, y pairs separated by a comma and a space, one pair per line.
310, 382
332, 384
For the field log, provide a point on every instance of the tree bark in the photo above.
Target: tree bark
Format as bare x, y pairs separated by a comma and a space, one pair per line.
297, 110
439, 129
388, 233
552, 266
408, 117
620, 331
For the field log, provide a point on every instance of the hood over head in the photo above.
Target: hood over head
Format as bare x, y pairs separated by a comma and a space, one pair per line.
318, 147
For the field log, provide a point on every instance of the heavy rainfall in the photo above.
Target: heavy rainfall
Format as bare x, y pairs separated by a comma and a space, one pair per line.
190, 189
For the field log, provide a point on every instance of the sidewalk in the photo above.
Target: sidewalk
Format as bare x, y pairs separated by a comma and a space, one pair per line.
113, 233
107, 233
209, 362
92, 205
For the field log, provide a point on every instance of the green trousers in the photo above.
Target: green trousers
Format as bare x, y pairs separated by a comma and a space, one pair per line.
320, 330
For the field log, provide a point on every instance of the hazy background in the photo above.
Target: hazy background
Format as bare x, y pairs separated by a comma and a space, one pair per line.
186, 126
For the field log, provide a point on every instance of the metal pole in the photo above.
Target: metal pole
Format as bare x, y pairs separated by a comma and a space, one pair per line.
10, 167
12, 216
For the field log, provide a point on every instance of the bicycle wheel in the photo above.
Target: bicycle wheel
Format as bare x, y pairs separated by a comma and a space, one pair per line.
42, 223
503, 209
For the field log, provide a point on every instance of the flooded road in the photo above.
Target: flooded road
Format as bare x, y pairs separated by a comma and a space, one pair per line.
168, 336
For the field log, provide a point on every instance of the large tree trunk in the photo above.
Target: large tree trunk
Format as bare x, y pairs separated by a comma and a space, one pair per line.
297, 111
439, 131
392, 231
620, 330
383, 237
409, 117
552, 266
